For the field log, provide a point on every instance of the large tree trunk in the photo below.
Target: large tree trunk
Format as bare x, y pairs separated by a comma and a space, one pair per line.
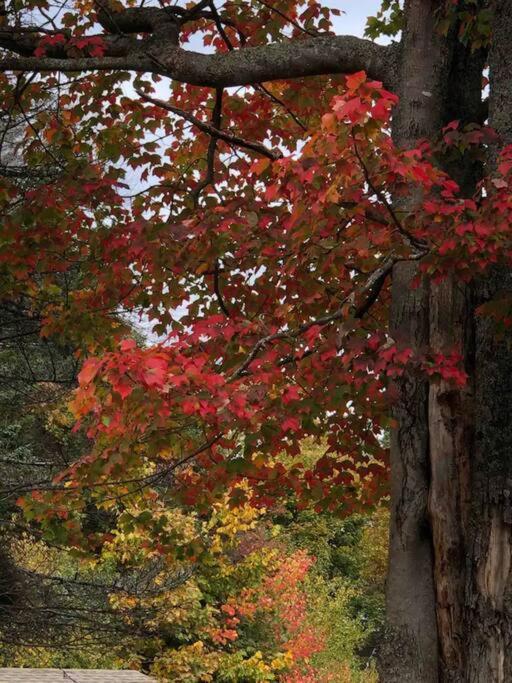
450, 409
410, 649
450, 586
488, 597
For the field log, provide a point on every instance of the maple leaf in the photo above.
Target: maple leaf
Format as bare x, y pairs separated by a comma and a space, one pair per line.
155, 371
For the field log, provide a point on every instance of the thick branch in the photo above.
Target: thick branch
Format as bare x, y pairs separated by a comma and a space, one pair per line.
136, 19
246, 66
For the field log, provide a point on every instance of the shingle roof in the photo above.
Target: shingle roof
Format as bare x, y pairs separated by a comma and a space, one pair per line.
71, 676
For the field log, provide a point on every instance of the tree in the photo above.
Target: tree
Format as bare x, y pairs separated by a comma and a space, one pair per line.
277, 215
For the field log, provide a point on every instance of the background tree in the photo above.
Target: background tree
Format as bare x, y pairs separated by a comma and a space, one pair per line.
254, 605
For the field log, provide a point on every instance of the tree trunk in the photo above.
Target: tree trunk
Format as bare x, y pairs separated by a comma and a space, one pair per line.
449, 408
488, 598
488, 624
451, 534
410, 649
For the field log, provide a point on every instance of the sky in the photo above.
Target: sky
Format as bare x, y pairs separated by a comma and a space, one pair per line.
356, 13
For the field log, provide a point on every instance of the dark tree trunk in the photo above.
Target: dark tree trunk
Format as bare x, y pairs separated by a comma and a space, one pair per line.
488, 598
450, 410
488, 623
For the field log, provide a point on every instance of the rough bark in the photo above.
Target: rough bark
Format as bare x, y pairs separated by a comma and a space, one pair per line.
449, 452
410, 651
431, 447
450, 417
488, 597
488, 623
325, 54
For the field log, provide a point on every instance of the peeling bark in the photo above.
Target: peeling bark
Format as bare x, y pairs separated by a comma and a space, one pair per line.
449, 450
450, 408
488, 594
409, 653
431, 449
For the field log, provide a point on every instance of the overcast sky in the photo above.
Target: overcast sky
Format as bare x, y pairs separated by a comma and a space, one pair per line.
356, 12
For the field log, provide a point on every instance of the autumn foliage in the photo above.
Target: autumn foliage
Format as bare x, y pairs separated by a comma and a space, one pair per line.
254, 230
276, 282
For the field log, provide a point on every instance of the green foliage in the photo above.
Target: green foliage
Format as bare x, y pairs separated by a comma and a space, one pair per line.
387, 22
346, 586
86, 655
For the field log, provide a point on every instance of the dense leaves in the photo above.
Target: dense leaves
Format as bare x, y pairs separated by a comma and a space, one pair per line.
264, 269
253, 231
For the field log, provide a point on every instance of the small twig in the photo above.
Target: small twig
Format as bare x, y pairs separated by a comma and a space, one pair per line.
29, 463
289, 19
410, 240
282, 104
49, 485
38, 136
213, 130
218, 293
370, 290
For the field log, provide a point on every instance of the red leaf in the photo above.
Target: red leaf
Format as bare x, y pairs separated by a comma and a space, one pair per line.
291, 424
89, 370
355, 80
155, 372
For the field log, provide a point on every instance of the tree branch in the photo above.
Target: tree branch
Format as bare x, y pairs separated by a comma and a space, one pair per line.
209, 178
321, 55
215, 132
367, 295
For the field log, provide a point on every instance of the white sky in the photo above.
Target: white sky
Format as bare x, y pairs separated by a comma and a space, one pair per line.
356, 13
